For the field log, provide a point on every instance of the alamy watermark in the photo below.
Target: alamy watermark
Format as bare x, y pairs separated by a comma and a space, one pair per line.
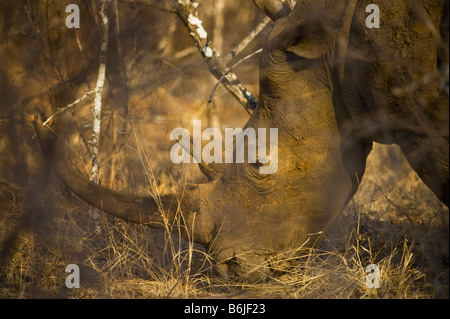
73, 280
373, 19
73, 19
213, 151
373, 277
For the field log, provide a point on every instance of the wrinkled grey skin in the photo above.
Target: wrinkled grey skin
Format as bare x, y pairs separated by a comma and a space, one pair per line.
327, 82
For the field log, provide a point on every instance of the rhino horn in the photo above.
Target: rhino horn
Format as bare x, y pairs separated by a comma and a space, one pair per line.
274, 9
161, 212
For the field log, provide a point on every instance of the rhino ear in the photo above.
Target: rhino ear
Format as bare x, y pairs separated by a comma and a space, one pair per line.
274, 9
309, 39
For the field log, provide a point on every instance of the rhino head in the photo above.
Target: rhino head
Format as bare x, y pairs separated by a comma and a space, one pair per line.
245, 218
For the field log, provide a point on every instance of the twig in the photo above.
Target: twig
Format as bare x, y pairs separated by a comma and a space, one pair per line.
187, 12
228, 71
63, 109
393, 204
245, 42
97, 107
183, 53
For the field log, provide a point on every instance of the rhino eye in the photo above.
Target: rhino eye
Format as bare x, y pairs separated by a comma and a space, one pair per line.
257, 164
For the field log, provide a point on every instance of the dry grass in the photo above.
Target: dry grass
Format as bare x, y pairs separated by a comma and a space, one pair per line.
398, 226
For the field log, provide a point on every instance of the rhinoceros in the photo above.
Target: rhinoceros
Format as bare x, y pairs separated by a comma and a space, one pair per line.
332, 84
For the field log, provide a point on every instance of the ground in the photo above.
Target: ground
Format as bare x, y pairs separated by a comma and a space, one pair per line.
394, 221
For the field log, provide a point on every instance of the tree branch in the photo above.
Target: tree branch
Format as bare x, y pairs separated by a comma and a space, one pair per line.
68, 106
228, 70
245, 42
97, 107
187, 12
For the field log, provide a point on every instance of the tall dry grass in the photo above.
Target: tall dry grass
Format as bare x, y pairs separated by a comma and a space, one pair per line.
398, 226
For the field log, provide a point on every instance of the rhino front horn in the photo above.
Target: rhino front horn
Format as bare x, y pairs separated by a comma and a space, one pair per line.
274, 9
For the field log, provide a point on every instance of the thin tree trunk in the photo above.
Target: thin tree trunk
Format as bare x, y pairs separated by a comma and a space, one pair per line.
97, 107
219, 22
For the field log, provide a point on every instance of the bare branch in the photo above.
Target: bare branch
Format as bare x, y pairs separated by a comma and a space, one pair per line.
228, 70
68, 106
187, 11
245, 42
